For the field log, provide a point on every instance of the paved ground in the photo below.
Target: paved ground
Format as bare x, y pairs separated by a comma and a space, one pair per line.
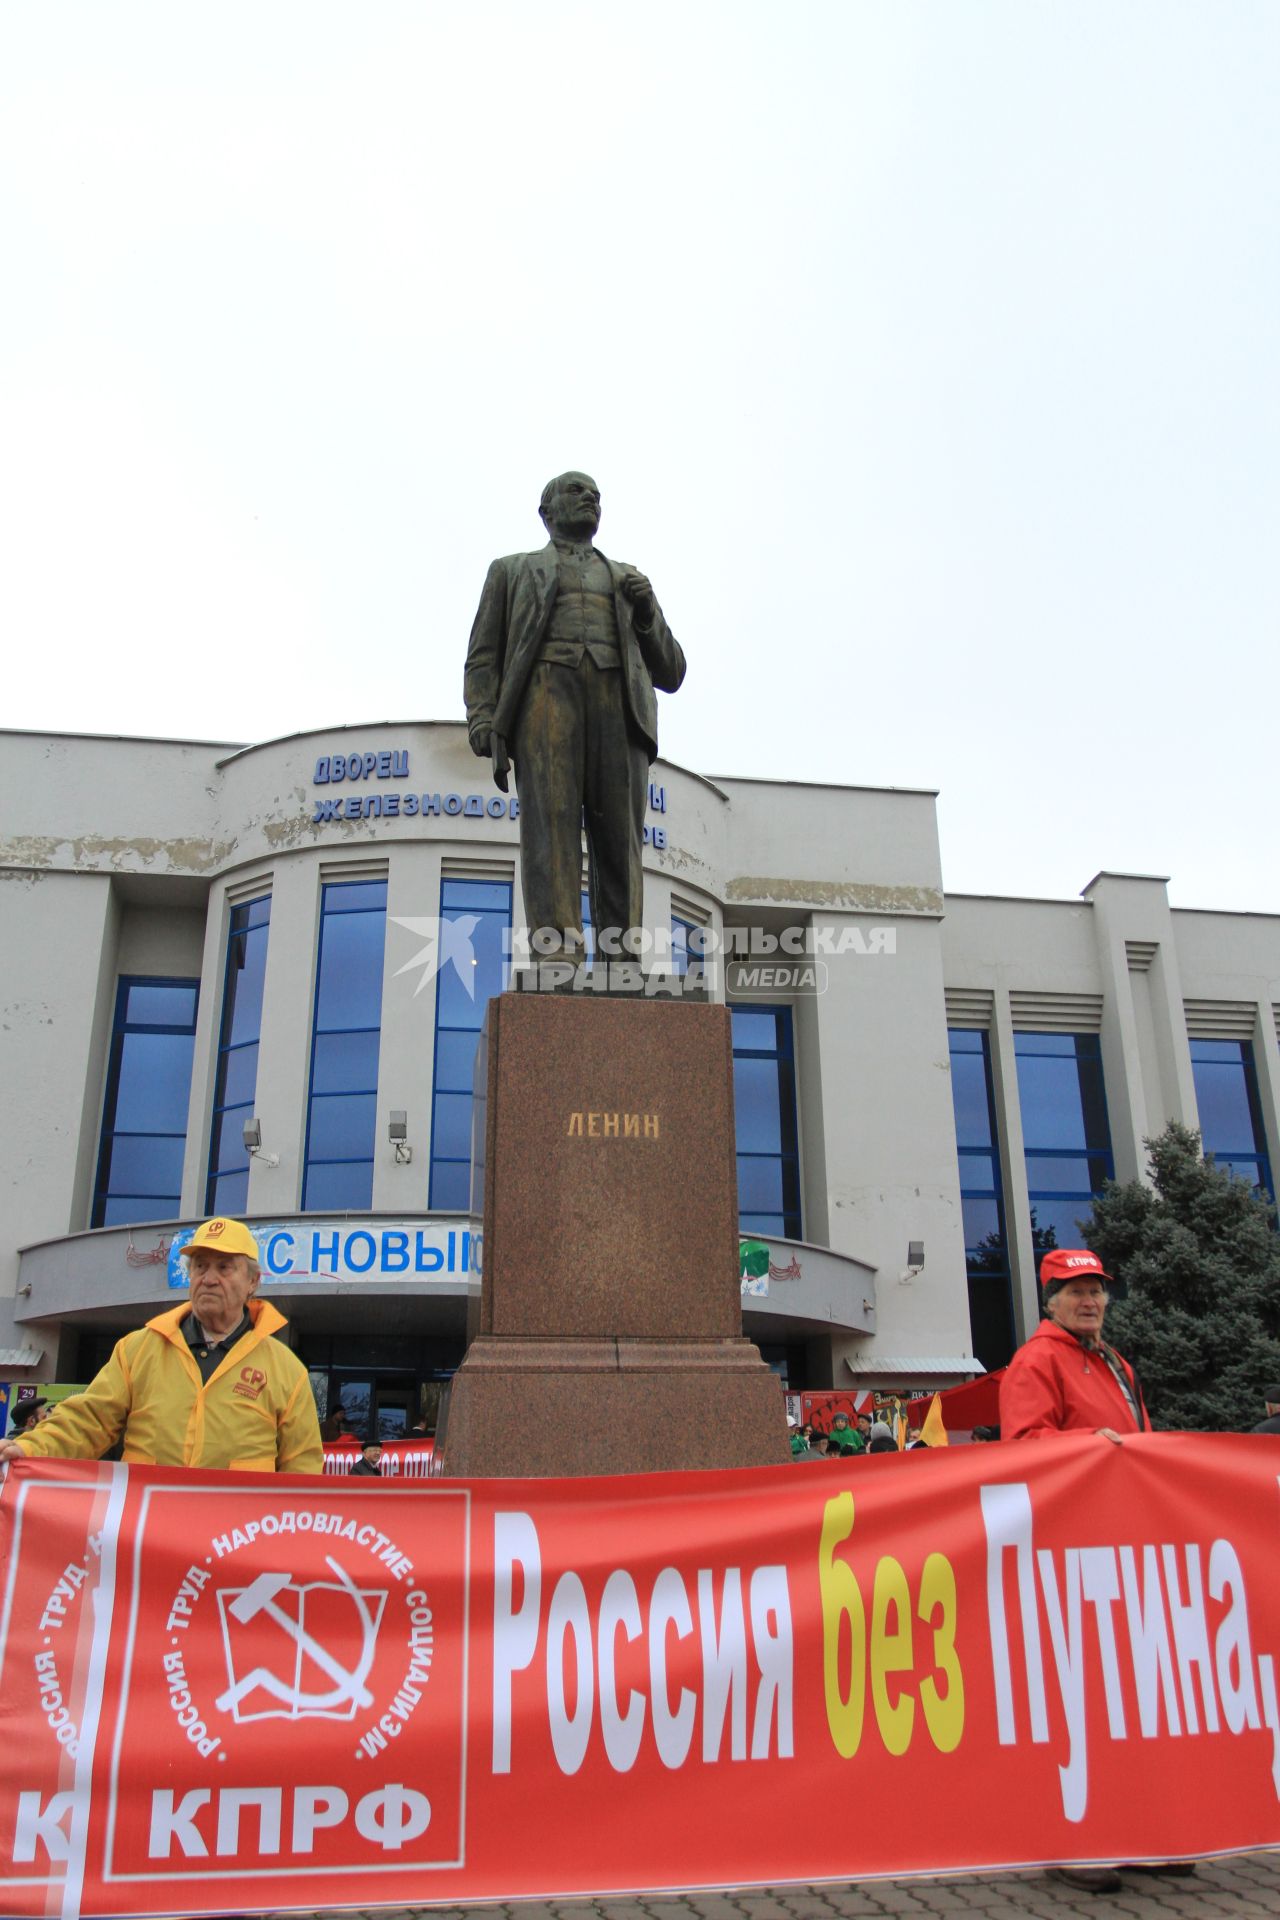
1243, 1887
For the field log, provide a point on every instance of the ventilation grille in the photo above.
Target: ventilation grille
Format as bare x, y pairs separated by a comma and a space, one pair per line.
501, 870
248, 890
1056, 1012
970, 1006
1140, 954
1220, 1019
334, 872
697, 912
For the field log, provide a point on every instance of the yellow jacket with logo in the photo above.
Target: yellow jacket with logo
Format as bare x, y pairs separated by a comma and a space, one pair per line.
256, 1412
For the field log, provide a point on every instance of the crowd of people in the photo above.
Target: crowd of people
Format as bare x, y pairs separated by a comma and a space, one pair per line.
866, 1434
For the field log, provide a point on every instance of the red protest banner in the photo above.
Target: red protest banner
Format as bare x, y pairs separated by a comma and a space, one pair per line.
413, 1459
975, 1403
248, 1692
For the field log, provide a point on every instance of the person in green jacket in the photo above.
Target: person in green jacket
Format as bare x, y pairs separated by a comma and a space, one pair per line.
845, 1438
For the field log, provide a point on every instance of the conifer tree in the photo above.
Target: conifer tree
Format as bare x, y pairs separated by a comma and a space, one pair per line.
1201, 1258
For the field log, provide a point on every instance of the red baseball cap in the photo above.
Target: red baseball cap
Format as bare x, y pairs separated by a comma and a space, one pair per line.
1061, 1264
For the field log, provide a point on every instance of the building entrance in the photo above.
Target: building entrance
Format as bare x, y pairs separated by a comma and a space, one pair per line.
382, 1406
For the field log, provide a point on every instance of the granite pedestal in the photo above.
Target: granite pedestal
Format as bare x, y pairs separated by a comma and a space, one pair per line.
609, 1332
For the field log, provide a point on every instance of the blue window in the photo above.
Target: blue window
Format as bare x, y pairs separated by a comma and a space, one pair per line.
1231, 1126
144, 1119
764, 1097
342, 1108
237, 1076
986, 1247
475, 916
1064, 1131
688, 940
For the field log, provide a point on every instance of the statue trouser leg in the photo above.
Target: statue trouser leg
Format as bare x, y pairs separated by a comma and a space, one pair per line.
548, 750
615, 794
575, 754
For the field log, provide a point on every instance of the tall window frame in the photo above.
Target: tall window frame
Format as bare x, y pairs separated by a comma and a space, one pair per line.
240, 1033
766, 1121
153, 1037
689, 942
1066, 1132
1230, 1109
475, 924
986, 1240
346, 1031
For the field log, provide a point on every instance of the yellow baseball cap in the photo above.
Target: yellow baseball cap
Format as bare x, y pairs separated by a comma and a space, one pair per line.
223, 1236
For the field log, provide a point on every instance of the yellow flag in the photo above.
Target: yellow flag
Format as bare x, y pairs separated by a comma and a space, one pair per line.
932, 1431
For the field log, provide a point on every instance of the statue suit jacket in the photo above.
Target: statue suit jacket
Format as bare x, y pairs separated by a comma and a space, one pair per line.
515, 610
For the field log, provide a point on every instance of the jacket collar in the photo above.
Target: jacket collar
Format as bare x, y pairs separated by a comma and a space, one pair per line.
545, 563
266, 1319
1050, 1330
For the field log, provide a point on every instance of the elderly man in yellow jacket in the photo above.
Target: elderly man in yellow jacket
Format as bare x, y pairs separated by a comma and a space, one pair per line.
204, 1385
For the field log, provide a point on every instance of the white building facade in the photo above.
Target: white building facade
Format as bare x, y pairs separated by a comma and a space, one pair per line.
300, 937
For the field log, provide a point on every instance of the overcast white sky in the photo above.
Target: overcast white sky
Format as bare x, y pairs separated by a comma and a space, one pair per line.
926, 356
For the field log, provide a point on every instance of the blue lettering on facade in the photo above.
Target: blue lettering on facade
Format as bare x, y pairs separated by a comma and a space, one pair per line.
471, 806
391, 764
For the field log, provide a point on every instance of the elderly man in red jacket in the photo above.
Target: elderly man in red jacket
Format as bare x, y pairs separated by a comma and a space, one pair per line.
1066, 1379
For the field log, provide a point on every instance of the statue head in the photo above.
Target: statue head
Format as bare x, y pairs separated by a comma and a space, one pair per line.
570, 506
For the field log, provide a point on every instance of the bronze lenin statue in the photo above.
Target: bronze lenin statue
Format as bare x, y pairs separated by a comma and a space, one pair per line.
565, 653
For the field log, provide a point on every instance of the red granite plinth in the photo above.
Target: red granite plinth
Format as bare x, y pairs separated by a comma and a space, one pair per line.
609, 1335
